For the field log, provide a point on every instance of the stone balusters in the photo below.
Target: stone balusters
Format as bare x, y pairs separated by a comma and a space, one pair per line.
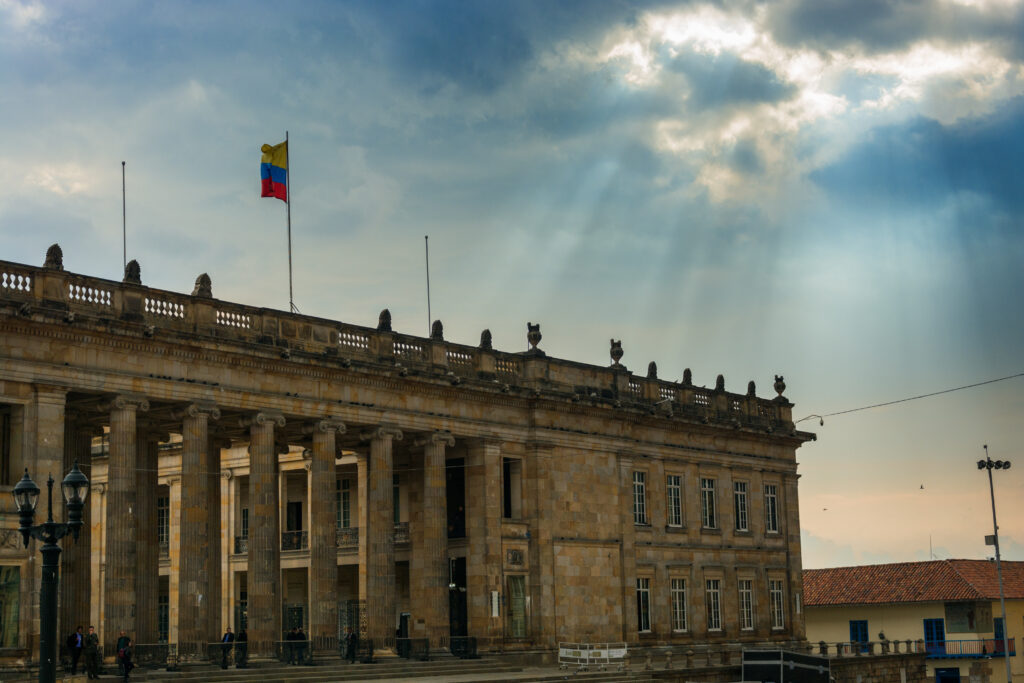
119, 590
264, 578
323, 544
380, 545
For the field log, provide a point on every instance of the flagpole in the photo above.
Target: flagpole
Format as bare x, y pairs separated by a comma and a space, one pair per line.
426, 246
124, 222
288, 195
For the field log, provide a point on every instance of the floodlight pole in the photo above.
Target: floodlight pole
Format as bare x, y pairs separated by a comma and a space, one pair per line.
988, 465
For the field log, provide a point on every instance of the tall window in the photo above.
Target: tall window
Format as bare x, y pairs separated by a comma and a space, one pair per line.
679, 604
5, 445
163, 520
343, 502
517, 606
640, 498
739, 495
511, 490
245, 522
771, 508
397, 499
713, 600
643, 605
163, 611
778, 613
746, 604
707, 503
674, 487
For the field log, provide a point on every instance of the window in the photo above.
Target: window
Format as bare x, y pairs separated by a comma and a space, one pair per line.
163, 520
640, 498
746, 605
707, 503
859, 633
5, 445
713, 600
517, 606
293, 515
245, 522
771, 508
679, 604
674, 487
10, 600
739, 495
775, 596
343, 503
643, 605
512, 472
396, 498
163, 611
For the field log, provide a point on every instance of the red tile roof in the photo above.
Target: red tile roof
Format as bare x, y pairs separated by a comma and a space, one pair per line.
934, 581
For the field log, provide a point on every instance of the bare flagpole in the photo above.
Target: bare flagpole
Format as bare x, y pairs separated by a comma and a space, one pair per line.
124, 222
288, 195
426, 247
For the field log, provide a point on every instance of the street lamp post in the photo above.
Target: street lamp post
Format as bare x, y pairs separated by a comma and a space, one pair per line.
989, 464
26, 494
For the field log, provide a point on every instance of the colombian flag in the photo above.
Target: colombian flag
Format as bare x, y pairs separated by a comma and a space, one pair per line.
274, 171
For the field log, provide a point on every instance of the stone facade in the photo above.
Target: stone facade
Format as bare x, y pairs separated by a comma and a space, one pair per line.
338, 474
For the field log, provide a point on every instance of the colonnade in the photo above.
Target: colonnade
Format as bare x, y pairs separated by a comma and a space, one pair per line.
131, 548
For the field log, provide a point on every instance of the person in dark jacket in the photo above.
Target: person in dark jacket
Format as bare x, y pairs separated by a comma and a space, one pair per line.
241, 649
225, 648
124, 658
92, 654
351, 643
76, 642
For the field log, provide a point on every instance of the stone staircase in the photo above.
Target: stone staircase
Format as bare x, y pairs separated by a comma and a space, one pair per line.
483, 670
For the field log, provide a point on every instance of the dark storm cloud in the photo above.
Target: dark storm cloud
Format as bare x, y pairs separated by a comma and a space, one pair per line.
890, 25
717, 81
921, 162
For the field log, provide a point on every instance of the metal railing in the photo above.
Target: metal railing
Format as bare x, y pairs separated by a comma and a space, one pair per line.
401, 533
463, 647
954, 649
413, 648
299, 652
241, 545
294, 540
155, 655
348, 537
221, 654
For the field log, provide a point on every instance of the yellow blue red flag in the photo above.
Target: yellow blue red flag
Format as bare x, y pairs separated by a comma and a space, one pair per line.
274, 171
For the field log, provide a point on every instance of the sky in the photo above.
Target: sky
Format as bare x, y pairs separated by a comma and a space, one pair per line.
822, 189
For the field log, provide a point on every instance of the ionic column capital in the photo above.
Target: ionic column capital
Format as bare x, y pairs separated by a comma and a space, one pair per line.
125, 402
263, 417
100, 488
439, 437
328, 424
382, 432
203, 409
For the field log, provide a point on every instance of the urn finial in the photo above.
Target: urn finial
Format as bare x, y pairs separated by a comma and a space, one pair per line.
133, 273
384, 321
204, 287
54, 258
616, 352
533, 336
780, 385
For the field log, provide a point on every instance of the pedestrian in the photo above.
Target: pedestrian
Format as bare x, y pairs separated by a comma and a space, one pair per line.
76, 641
351, 642
225, 648
92, 654
122, 641
124, 657
300, 646
241, 649
290, 645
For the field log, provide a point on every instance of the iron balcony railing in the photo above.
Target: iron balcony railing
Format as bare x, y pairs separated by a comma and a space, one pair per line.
294, 540
241, 545
348, 537
955, 649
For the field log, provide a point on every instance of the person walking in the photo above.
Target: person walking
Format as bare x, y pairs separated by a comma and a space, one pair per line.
225, 648
92, 654
124, 658
76, 641
300, 646
241, 649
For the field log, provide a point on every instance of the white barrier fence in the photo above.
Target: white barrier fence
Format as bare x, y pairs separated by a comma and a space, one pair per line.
582, 656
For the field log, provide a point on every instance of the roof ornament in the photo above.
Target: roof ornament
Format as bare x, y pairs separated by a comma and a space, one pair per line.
384, 321
54, 258
780, 385
533, 336
204, 287
133, 273
437, 331
652, 370
616, 352
485, 340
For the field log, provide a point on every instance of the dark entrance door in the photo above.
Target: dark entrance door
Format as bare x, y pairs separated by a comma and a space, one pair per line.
458, 615
947, 676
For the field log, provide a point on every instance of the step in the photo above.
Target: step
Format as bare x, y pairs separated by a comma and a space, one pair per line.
333, 672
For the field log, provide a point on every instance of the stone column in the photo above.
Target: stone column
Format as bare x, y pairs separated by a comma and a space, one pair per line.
119, 591
174, 553
483, 527
433, 580
630, 634
542, 550
380, 539
75, 575
194, 581
323, 538
214, 568
264, 576
789, 518
147, 576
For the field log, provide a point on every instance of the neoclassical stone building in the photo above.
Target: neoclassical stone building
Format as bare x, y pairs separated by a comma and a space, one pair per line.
260, 468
